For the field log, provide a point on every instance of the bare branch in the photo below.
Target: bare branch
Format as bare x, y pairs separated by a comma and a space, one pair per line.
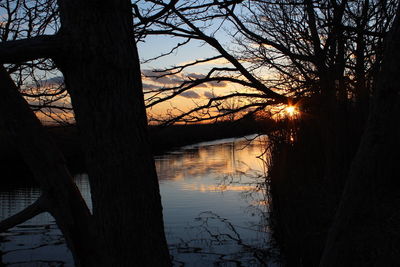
29, 212
46, 46
179, 68
185, 86
215, 103
234, 61
167, 53
145, 20
261, 40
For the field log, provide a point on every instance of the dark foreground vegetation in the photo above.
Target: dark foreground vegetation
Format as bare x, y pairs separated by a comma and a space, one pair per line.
333, 173
304, 199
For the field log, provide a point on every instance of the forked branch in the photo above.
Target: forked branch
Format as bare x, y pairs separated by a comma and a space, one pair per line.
29, 212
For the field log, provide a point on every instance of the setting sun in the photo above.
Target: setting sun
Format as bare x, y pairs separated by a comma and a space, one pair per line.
291, 111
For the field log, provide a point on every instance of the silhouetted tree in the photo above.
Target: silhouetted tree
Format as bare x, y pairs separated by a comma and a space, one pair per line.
366, 228
38, 80
95, 50
323, 55
277, 51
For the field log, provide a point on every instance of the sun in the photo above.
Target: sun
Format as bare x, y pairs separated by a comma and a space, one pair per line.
291, 111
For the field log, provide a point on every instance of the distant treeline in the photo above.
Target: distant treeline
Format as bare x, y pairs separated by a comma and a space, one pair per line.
162, 139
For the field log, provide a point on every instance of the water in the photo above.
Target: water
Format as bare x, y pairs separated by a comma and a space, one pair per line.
215, 210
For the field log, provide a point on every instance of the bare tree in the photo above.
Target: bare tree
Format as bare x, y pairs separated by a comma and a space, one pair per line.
38, 80
275, 50
95, 50
322, 56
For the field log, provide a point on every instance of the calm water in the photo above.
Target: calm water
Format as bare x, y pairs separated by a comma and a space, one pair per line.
215, 210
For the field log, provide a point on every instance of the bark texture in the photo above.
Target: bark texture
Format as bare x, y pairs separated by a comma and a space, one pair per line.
60, 196
102, 75
366, 229
98, 58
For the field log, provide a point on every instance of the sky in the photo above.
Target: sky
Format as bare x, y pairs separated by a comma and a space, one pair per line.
153, 46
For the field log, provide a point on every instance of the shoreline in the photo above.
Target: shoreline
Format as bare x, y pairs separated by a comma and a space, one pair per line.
16, 173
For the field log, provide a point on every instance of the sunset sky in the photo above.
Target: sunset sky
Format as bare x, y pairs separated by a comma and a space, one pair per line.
155, 45
152, 47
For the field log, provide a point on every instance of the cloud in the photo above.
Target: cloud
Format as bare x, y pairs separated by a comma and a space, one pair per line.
209, 94
173, 79
55, 80
215, 62
151, 81
190, 94
212, 84
217, 84
149, 86
58, 80
195, 76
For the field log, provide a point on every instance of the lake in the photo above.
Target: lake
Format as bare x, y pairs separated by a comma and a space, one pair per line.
215, 205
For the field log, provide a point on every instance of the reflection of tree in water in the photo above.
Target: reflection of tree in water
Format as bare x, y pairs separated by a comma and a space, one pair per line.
204, 159
235, 172
48, 236
214, 230
30, 239
1, 252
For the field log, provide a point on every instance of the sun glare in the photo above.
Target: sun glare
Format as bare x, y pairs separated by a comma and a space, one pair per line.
291, 111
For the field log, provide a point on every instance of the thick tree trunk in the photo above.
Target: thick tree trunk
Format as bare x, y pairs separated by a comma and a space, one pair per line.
60, 195
102, 74
98, 57
366, 229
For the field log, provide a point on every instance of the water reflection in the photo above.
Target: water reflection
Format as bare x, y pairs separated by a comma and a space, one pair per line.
215, 205
223, 157
38, 241
215, 210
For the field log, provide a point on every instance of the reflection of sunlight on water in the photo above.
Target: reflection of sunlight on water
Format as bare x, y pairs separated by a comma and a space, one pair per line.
215, 188
261, 203
214, 201
224, 158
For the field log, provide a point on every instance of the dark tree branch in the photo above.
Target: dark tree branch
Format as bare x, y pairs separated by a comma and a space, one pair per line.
185, 86
47, 165
18, 51
180, 68
175, 48
215, 102
29, 212
234, 61
145, 20
312, 23
261, 40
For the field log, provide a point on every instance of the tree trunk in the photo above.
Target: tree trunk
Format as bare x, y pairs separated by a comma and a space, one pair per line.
366, 228
102, 74
60, 195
